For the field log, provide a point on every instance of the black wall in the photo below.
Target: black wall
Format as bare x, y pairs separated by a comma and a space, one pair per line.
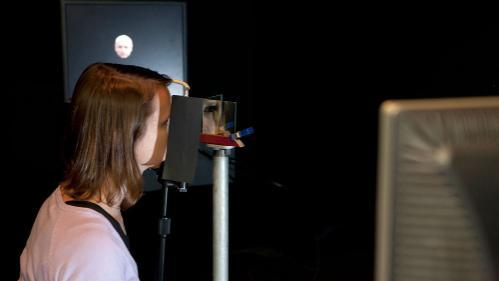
308, 78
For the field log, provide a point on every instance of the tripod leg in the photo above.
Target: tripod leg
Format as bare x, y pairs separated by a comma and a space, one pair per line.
164, 230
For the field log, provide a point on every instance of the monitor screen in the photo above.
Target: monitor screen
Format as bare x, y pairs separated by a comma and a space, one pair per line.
148, 34
438, 190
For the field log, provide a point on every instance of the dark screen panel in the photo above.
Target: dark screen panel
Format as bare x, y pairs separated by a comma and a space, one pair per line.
157, 31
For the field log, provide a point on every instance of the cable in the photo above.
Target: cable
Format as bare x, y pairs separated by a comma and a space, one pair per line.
184, 84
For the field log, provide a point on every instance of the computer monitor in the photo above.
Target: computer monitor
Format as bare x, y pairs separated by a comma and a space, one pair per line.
148, 34
438, 190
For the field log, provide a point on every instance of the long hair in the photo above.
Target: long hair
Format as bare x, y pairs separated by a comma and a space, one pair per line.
109, 107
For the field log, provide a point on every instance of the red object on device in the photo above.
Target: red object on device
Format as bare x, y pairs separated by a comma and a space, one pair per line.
218, 140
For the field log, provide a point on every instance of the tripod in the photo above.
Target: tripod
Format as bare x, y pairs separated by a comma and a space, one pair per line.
164, 225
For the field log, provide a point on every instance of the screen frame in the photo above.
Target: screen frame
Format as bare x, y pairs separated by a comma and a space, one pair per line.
388, 138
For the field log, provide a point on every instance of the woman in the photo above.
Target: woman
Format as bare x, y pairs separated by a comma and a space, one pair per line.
119, 119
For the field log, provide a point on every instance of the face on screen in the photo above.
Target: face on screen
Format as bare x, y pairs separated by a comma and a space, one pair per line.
218, 117
211, 117
123, 46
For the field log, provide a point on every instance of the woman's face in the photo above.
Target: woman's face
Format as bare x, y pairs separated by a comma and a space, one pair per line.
150, 148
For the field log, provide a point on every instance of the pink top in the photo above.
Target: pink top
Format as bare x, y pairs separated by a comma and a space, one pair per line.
69, 243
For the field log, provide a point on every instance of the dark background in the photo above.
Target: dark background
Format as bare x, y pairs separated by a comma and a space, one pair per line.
308, 77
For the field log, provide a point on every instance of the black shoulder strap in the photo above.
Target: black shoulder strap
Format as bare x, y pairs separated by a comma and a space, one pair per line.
97, 208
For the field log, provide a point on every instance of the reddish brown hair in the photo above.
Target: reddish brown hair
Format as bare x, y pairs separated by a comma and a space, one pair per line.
109, 107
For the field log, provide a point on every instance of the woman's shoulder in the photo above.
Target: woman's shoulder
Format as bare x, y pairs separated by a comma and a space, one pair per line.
92, 253
88, 237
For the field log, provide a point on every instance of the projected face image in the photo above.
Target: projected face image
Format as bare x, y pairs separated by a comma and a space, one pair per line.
218, 117
123, 46
213, 118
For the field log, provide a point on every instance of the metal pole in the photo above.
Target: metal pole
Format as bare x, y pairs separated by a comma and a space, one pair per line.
221, 215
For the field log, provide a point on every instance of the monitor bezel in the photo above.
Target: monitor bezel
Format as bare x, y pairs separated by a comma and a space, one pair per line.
389, 115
